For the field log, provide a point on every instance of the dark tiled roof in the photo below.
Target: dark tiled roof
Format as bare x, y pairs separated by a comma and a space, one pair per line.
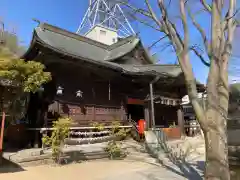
95, 52
164, 69
82, 46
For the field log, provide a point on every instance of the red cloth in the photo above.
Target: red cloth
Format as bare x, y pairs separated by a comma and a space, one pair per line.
141, 126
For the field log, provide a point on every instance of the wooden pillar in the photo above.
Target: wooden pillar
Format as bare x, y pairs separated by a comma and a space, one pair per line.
149, 115
2, 123
94, 113
122, 113
146, 116
37, 133
45, 119
152, 105
58, 106
181, 120
1, 136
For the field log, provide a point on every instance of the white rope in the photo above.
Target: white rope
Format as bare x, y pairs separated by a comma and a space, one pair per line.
80, 140
89, 133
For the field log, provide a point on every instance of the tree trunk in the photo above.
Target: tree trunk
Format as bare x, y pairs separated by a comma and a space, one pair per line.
216, 166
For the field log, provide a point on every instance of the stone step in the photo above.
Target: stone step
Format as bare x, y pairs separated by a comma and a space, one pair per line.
69, 156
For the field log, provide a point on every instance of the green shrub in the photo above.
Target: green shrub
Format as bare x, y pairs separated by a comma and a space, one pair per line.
173, 125
56, 140
98, 126
113, 148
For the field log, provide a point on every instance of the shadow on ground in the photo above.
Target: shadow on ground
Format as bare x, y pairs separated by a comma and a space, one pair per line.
79, 156
10, 167
73, 157
191, 171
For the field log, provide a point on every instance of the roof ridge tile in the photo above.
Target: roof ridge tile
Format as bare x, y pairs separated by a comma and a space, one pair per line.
49, 27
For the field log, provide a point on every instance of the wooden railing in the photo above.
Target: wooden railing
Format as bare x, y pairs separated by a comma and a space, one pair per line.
85, 116
88, 123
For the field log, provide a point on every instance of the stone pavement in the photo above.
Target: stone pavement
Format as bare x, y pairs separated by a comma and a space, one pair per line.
139, 165
150, 173
34, 154
95, 170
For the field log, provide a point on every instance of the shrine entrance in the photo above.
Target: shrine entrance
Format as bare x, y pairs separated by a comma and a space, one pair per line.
135, 109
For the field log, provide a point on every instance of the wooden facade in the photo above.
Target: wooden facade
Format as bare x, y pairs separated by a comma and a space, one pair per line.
97, 91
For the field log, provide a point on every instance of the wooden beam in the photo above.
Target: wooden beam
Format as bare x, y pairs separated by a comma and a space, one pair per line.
2, 132
75, 128
181, 120
146, 116
152, 105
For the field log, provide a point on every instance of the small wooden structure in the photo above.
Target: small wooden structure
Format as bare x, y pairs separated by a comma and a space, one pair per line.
8, 90
191, 125
94, 82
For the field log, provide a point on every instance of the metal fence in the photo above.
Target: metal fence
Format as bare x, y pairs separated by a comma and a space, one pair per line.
161, 136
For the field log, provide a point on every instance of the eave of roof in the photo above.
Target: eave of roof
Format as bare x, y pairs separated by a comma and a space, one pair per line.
150, 70
137, 70
67, 43
98, 50
83, 46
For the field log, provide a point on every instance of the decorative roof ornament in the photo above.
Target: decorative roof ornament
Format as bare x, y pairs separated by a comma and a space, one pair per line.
107, 14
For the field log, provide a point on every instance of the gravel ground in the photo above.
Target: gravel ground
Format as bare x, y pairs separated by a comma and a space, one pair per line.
142, 169
95, 170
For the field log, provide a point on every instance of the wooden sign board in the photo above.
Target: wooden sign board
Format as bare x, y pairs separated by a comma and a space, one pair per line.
135, 101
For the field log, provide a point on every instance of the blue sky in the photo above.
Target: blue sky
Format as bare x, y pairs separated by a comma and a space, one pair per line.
18, 15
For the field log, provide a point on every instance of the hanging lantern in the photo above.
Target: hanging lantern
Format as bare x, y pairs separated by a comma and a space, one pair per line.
59, 90
79, 93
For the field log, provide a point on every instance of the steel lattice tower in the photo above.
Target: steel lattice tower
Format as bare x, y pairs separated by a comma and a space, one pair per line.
108, 14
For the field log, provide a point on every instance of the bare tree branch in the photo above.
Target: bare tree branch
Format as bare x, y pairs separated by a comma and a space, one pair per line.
185, 27
206, 6
137, 10
230, 27
165, 46
145, 22
153, 44
236, 23
202, 32
164, 24
200, 56
187, 70
150, 14
234, 14
170, 29
153, 14
228, 17
228, 43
